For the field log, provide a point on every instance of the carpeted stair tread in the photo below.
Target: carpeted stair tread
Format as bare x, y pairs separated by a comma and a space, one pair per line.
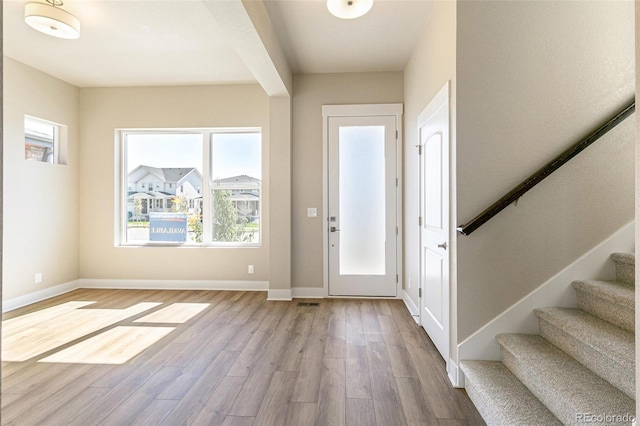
609, 300
563, 385
607, 350
501, 398
610, 290
625, 267
628, 258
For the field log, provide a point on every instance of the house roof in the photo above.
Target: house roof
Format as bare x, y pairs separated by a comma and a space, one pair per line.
165, 174
150, 194
245, 197
241, 179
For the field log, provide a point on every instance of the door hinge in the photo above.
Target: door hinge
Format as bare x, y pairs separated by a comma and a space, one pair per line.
396, 135
397, 230
396, 182
419, 149
420, 221
396, 278
420, 292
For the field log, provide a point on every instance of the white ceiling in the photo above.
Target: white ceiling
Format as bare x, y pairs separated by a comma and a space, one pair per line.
317, 42
178, 42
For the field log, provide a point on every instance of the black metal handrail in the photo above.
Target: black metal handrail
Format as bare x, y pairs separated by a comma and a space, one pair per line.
517, 192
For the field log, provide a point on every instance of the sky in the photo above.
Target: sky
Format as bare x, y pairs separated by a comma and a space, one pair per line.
233, 153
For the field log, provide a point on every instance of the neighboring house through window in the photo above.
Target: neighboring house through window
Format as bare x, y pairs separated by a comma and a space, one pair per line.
44, 141
163, 201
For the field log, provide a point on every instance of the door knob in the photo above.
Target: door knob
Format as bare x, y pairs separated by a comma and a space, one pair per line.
334, 229
443, 245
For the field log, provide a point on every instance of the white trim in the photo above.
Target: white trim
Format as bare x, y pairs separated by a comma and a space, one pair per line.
410, 304
454, 373
174, 284
37, 296
276, 294
307, 293
362, 110
557, 291
439, 101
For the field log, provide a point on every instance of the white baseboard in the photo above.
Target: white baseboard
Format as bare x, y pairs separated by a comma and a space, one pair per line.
283, 294
37, 296
457, 379
557, 291
175, 284
409, 303
307, 293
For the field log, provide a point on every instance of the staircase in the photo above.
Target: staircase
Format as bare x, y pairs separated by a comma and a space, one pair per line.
579, 370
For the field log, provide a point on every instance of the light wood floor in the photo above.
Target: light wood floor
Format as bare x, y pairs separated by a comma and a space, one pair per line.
222, 358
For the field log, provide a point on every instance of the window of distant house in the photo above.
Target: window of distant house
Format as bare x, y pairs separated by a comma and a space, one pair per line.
44, 141
171, 195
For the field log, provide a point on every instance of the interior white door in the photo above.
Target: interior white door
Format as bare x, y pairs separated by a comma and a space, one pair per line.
433, 127
362, 206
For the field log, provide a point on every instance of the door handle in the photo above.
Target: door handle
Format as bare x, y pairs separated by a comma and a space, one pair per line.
443, 245
334, 229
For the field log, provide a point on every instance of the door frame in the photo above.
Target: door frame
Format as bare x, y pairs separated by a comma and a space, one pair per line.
361, 110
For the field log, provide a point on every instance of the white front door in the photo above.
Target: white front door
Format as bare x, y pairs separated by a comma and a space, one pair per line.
362, 198
433, 125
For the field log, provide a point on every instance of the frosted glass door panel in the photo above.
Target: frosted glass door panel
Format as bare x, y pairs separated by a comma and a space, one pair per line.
362, 206
362, 200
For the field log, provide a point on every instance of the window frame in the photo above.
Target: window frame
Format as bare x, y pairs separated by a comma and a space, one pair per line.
121, 187
57, 139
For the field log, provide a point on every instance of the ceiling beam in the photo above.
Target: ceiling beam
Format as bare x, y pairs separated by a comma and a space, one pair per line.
249, 28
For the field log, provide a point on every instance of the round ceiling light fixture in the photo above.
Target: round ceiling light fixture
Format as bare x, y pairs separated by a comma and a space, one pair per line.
51, 19
349, 9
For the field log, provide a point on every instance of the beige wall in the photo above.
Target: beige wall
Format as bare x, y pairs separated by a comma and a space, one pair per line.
432, 64
40, 199
106, 109
532, 78
310, 93
280, 194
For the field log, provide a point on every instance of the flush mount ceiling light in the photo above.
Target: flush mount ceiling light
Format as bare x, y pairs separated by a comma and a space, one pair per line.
51, 19
349, 9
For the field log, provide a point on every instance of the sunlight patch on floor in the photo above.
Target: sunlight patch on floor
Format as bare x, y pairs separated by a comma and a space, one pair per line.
33, 334
176, 313
115, 346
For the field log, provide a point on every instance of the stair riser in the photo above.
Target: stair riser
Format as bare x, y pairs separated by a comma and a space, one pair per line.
479, 401
557, 403
554, 403
605, 309
620, 376
501, 398
625, 273
625, 267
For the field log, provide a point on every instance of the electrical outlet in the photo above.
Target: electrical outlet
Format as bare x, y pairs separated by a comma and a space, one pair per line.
250, 269
38, 277
312, 212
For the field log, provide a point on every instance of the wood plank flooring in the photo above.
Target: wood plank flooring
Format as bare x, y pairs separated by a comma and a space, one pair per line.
222, 358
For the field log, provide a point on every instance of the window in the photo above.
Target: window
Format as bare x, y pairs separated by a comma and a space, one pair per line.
172, 195
235, 187
42, 141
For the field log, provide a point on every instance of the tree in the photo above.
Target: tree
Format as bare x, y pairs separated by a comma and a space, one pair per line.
137, 208
180, 204
225, 217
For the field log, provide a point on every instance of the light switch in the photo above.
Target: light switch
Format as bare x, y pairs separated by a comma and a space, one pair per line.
312, 212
